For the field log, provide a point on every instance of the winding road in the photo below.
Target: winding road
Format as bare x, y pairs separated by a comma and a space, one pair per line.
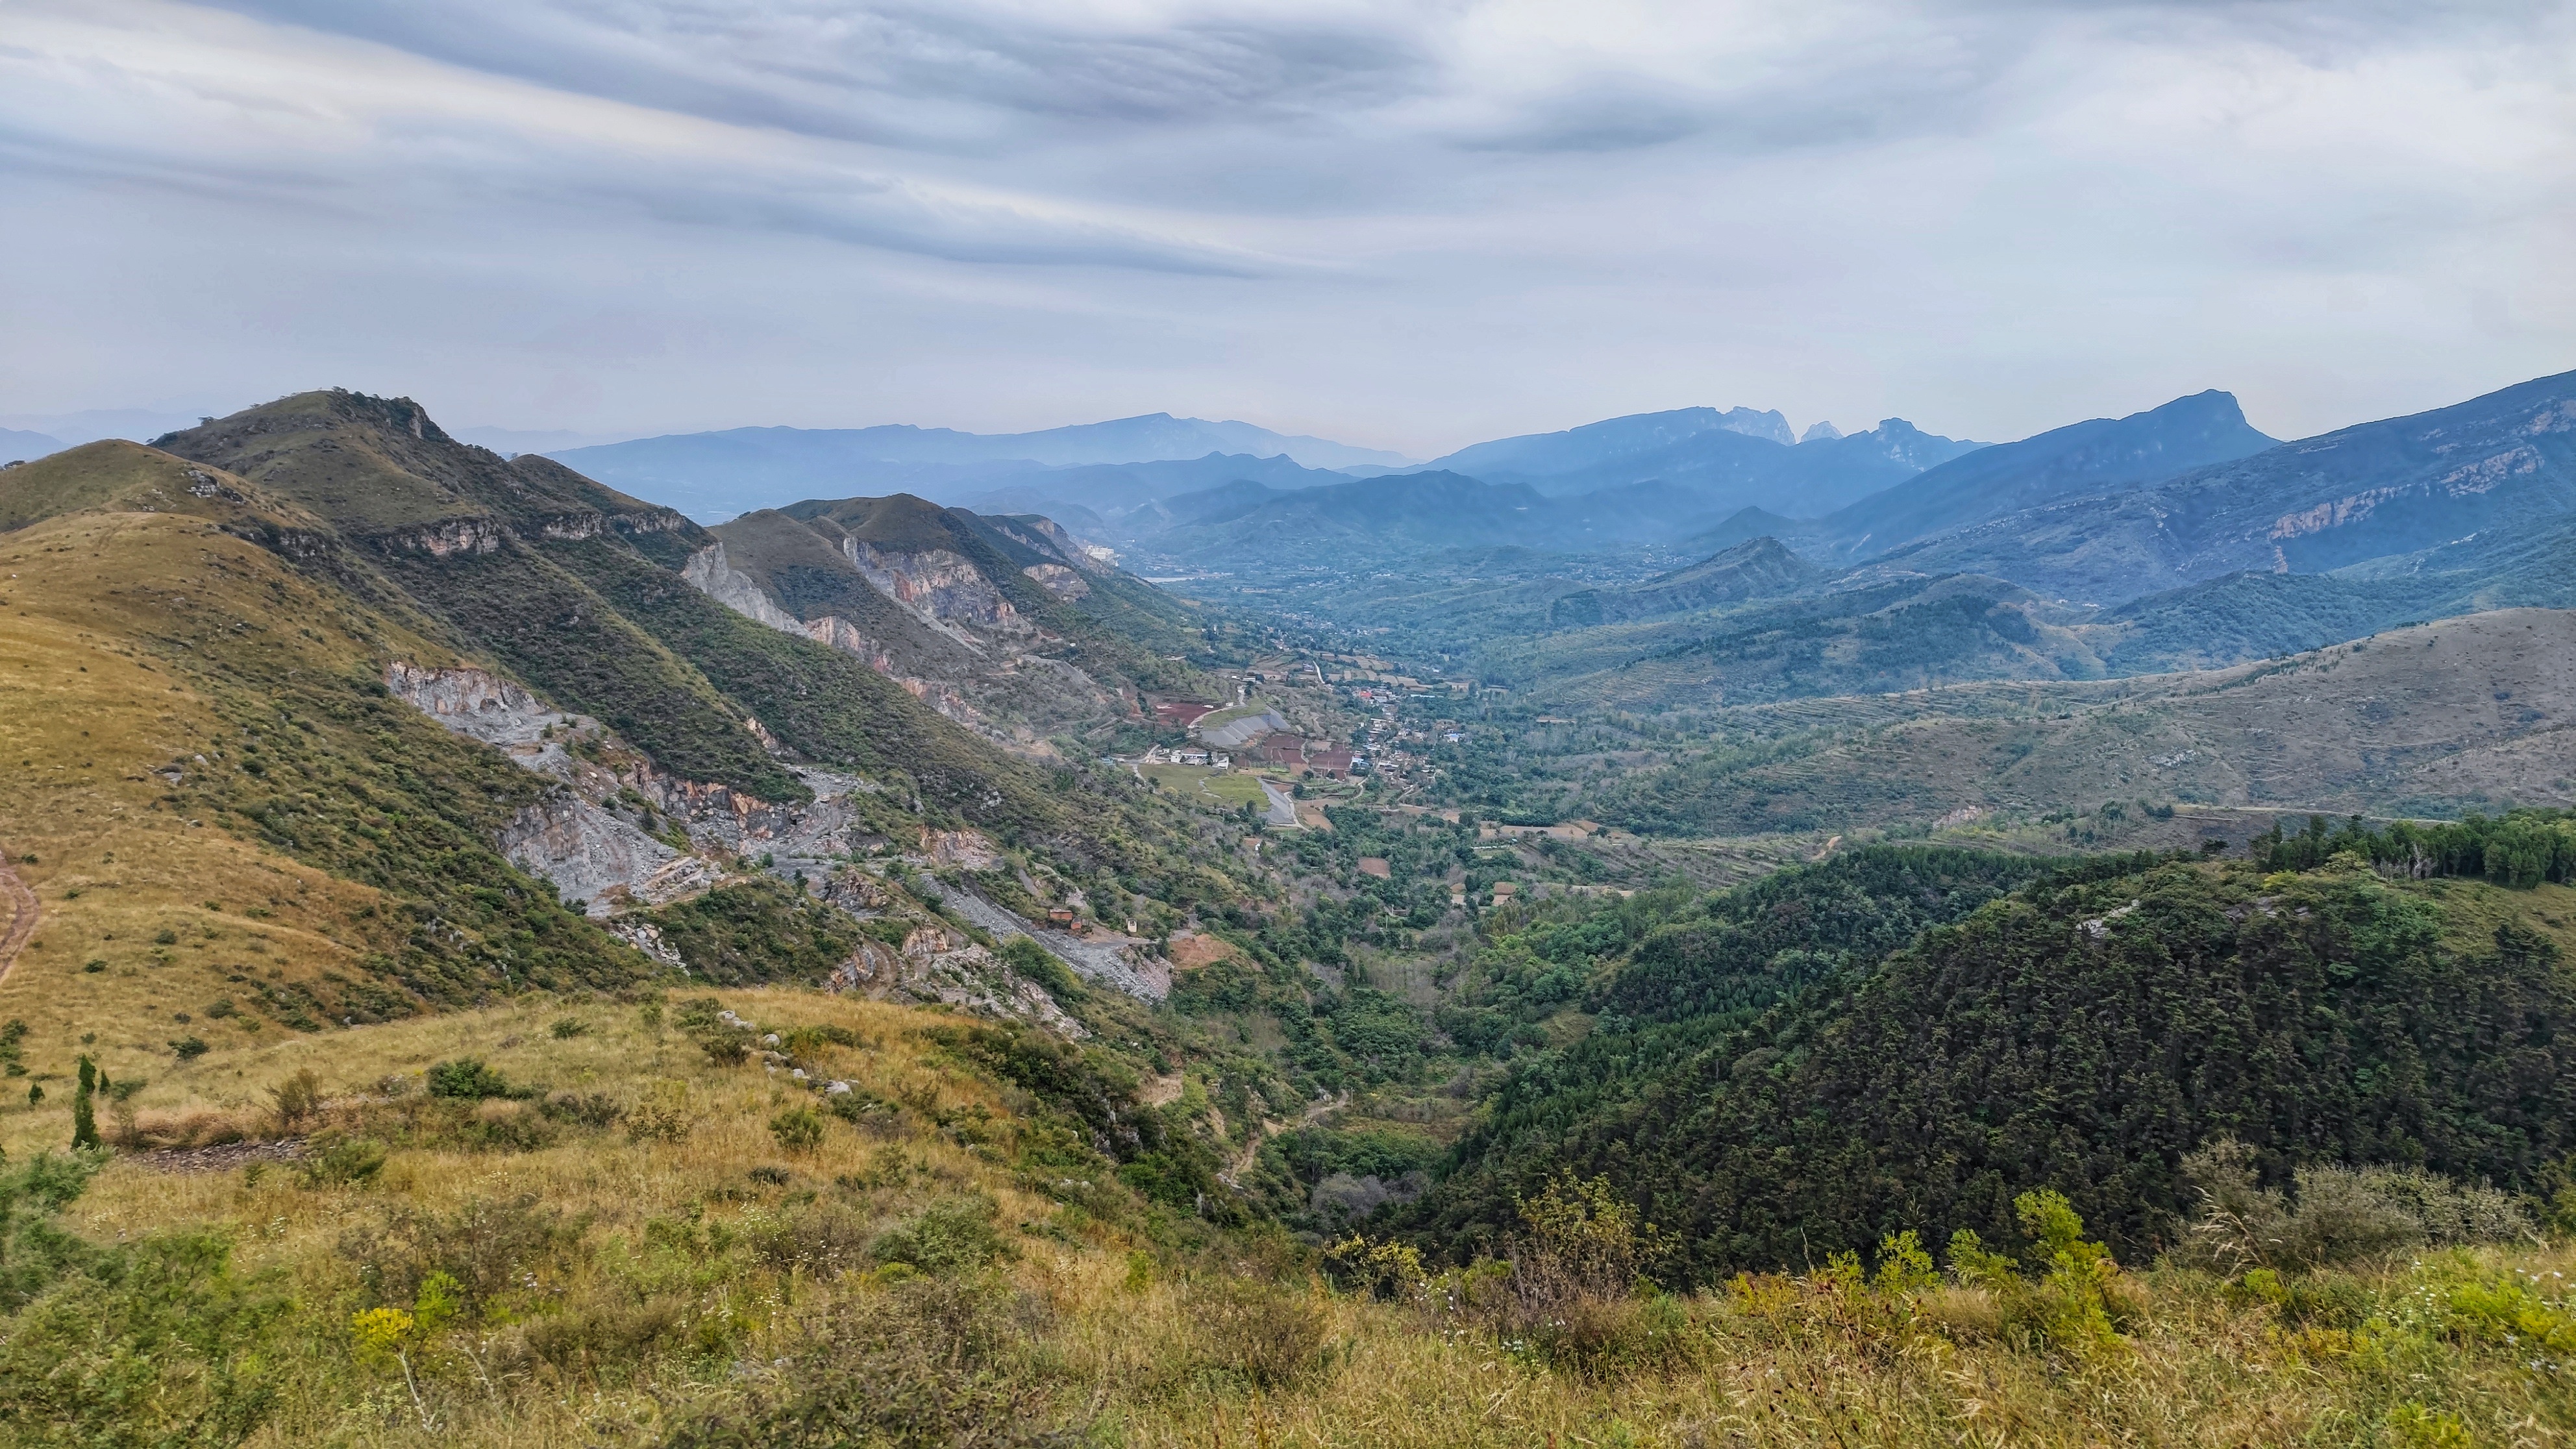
22, 915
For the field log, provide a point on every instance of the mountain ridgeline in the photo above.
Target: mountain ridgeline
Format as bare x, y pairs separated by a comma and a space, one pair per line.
629, 724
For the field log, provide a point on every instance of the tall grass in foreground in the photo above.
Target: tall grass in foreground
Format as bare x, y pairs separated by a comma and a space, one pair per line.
505, 1231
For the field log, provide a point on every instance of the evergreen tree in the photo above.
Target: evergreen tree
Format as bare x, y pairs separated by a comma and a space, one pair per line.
84, 1117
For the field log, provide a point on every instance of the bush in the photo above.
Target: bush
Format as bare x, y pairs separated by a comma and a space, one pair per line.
1035, 963
339, 1160
127, 1345
568, 1028
663, 1115
586, 1109
605, 1331
799, 1129
2077, 1304
466, 1078
935, 1362
703, 1020
294, 1101
948, 1237
488, 1247
2337, 1214
1268, 1338
188, 1048
155, 1343
524, 1129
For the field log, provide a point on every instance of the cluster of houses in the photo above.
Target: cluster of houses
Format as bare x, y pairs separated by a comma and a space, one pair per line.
1188, 755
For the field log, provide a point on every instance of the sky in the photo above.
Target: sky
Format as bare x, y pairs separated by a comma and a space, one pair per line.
1406, 226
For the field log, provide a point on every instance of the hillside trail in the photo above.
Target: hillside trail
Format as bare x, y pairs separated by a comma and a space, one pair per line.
22, 915
1314, 1113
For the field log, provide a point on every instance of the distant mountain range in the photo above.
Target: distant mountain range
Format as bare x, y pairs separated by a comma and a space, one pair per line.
2371, 495
716, 475
1735, 459
26, 447
2083, 458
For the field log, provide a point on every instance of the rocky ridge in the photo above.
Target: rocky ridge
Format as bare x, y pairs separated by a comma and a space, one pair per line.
612, 837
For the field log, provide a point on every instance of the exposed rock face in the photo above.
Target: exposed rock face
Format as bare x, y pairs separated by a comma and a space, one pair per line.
708, 573
935, 583
441, 540
604, 859
1121, 963
598, 854
1058, 580
588, 838
970, 849
936, 964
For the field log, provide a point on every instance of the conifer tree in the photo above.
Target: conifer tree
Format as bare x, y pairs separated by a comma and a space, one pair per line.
84, 1117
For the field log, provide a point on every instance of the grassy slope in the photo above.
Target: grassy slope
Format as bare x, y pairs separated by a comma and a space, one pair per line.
326, 824
673, 1275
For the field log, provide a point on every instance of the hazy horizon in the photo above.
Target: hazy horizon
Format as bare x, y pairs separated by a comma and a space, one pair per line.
1407, 228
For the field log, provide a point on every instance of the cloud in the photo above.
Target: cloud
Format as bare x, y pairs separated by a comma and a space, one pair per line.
954, 75
1412, 224
211, 108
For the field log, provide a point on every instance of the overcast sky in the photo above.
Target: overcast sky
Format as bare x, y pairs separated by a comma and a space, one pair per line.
1408, 226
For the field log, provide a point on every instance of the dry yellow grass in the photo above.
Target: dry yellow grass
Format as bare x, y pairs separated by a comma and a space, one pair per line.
1123, 1338
85, 718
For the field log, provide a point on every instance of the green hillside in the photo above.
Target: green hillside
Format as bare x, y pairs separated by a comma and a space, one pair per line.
2081, 1035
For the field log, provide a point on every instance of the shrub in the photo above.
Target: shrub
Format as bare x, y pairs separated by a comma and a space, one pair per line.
605, 1331
1268, 1338
587, 1109
524, 1129
487, 1246
1037, 964
2336, 1215
2078, 1302
144, 1344
339, 1160
568, 1028
294, 1101
950, 1236
466, 1078
726, 1043
188, 1048
934, 1362
663, 1115
798, 1129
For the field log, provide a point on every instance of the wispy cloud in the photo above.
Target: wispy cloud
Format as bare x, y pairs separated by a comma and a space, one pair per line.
1412, 221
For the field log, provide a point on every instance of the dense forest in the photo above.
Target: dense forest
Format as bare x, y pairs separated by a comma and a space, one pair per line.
2080, 1034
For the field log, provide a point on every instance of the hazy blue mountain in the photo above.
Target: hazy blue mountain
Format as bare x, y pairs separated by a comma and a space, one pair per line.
70, 430
510, 442
1117, 487
1734, 460
1536, 456
721, 473
2378, 495
1347, 524
25, 447
2082, 458
1759, 569
1741, 526
1824, 473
